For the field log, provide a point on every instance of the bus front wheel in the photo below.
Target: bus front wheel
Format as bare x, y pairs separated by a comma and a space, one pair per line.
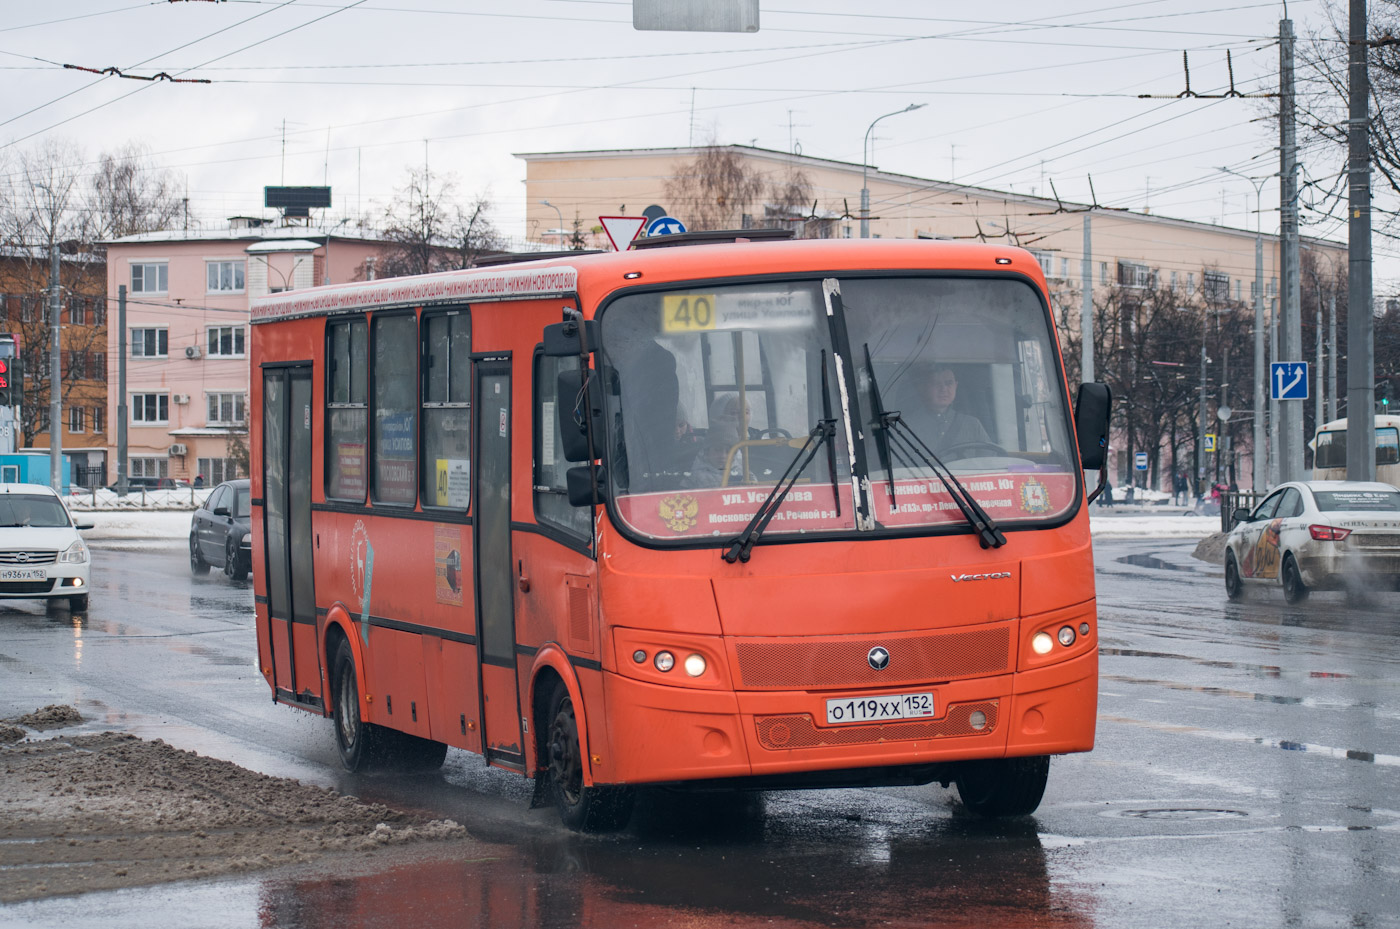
996, 787
582, 808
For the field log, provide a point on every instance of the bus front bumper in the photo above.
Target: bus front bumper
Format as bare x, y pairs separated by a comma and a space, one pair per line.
660, 734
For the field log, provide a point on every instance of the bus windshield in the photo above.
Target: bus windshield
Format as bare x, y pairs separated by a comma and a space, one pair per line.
713, 392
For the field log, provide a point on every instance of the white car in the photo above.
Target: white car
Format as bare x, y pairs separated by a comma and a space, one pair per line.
42, 557
1316, 534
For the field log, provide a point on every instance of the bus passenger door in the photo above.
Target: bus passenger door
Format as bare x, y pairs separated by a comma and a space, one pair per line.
495, 583
288, 543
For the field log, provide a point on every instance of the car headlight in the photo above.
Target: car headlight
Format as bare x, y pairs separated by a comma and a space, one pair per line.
76, 553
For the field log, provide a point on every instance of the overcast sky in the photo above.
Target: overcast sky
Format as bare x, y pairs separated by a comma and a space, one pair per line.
1018, 93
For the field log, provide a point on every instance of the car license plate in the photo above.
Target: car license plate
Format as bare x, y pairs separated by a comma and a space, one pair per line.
879, 708
22, 574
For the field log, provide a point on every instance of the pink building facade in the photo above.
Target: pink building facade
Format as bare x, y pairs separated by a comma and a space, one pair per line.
187, 335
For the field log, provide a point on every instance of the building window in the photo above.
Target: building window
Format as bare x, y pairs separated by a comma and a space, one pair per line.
150, 467
150, 343
99, 419
1064, 268
150, 277
1216, 286
77, 310
1134, 274
1176, 281
1191, 282
1046, 260
153, 409
394, 388
217, 470
225, 409
447, 409
224, 277
1273, 286
226, 341
77, 419
1103, 272
347, 409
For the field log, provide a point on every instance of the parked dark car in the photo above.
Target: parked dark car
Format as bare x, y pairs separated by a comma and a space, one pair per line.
220, 531
138, 484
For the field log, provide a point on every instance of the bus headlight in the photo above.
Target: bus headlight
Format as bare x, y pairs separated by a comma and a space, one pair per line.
665, 661
1042, 643
695, 665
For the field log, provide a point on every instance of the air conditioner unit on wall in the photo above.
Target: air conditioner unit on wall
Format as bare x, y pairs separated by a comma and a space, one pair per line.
193, 351
178, 449
181, 398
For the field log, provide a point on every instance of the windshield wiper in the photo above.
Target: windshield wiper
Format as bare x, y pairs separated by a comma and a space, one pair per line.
908, 446
824, 432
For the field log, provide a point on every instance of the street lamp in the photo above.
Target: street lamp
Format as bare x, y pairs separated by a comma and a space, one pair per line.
1259, 376
864, 169
561, 219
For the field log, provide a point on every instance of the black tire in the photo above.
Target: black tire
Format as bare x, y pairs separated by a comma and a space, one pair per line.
1234, 584
233, 562
198, 566
361, 745
1294, 590
367, 747
582, 808
78, 604
997, 787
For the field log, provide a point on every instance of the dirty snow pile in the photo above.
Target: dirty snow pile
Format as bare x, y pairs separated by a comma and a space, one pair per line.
108, 810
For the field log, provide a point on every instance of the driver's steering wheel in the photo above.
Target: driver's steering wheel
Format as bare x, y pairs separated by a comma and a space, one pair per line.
948, 452
775, 433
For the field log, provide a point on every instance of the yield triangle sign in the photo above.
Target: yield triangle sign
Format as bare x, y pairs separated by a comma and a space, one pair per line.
622, 230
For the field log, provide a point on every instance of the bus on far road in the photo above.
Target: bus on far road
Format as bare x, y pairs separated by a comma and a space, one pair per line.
745, 514
1330, 450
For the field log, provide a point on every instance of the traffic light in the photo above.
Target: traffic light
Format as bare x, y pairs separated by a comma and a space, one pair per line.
11, 382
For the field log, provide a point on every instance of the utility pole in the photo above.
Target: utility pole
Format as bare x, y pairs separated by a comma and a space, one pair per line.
55, 385
1261, 370
1201, 412
1319, 404
1086, 310
1361, 348
1274, 430
121, 390
1291, 452
1332, 353
865, 165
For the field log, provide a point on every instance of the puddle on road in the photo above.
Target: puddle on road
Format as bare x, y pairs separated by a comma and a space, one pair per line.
1257, 670
1287, 745
1150, 561
1178, 814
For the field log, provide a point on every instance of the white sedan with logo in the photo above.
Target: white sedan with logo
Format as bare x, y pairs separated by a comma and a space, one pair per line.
41, 554
1316, 535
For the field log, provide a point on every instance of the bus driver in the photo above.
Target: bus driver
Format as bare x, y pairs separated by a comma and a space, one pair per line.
937, 423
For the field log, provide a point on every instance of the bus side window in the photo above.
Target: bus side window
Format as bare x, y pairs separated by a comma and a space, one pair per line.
394, 386
552, 505
347, 409
447, 409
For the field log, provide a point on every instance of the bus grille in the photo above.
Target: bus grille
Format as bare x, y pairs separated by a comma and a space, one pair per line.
942, 656
799, 731
24, 557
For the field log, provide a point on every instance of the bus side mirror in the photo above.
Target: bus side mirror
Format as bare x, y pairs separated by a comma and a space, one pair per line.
1091, 412
574, 411
562, 340
580, 485
1240, 516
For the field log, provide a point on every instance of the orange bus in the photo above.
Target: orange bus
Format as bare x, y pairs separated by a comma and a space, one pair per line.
739, 514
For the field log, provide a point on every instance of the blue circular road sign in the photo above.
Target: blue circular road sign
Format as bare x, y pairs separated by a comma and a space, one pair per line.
665, 225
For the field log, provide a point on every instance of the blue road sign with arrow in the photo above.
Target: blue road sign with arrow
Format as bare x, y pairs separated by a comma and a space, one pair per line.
665, 225
1288, 380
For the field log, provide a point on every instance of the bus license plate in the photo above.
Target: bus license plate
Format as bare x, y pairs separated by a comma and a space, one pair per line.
22, 574
878, 709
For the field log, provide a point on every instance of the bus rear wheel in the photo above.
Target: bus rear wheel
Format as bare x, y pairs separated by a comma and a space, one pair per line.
366, 747
582, 808
997, 787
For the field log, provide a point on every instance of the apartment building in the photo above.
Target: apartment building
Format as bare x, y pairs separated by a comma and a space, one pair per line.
187, 313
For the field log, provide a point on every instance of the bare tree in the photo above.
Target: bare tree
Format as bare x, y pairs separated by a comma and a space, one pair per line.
129, 196
1323, 110
715, 190
429, 230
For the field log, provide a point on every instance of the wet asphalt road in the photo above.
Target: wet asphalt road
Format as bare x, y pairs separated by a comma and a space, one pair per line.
1247, 774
